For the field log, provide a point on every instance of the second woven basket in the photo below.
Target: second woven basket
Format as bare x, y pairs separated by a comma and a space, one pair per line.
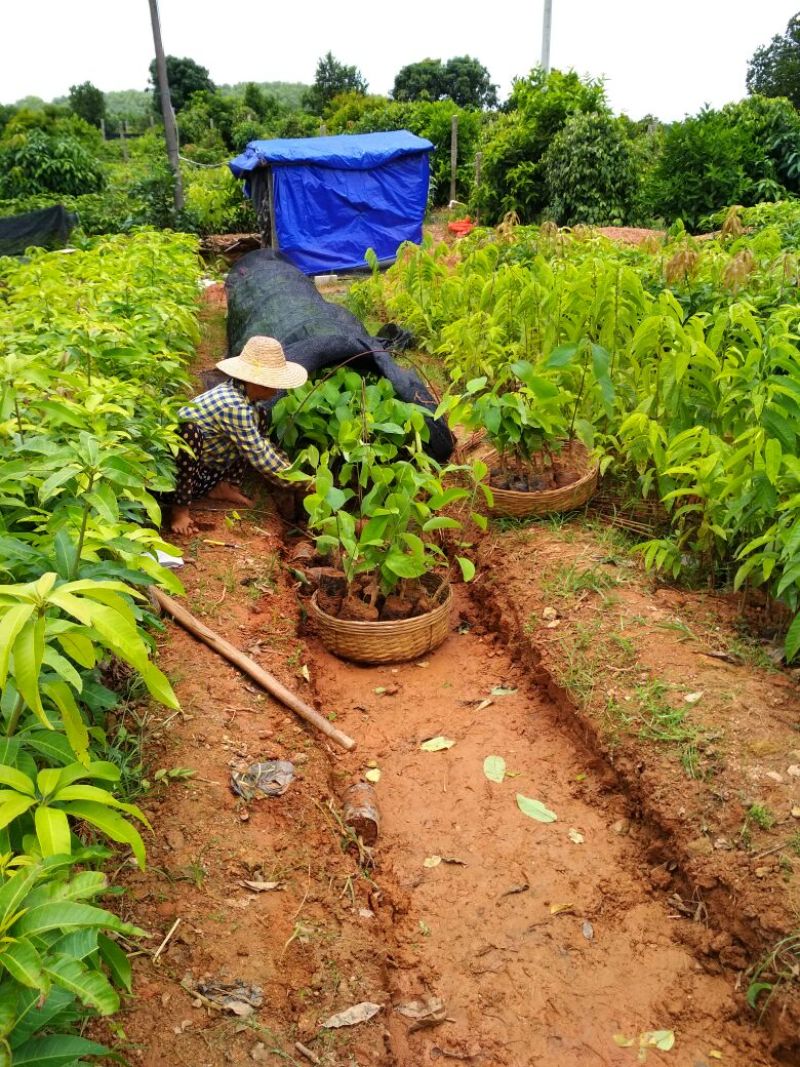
518, 504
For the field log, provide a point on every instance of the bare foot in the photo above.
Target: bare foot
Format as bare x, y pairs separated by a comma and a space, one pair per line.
180, 522
230, 494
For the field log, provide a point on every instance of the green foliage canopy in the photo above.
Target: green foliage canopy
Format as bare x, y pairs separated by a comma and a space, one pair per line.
590, 172
462, 79
185, 77
513, 174
774, 69
87, 101
38, 162
332, 78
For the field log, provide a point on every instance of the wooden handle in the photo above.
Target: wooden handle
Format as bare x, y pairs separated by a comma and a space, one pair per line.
244, 663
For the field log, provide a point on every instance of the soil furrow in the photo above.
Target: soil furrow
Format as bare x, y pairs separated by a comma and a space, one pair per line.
544, 940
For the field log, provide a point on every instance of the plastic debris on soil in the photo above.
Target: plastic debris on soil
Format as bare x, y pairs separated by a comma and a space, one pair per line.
270, 779
239, 998
426, 1012
359, 1013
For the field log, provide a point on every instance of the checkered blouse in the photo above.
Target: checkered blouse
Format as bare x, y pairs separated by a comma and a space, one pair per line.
229, 424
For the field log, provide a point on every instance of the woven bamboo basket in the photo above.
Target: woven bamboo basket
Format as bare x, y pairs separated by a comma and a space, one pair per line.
518, 504
391, 641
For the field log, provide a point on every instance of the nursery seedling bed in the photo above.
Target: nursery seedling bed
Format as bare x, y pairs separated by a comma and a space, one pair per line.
543, 940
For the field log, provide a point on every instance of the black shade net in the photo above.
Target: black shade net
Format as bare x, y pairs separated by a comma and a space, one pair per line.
268, 296
48, 228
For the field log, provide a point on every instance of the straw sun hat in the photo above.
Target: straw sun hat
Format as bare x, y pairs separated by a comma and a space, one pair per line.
262, 361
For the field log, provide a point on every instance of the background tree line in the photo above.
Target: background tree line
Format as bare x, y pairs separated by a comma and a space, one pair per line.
552, 150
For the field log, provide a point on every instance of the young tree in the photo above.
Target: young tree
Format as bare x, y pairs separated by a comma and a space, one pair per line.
332, 78
87, 101
468, 83
184, 77
462, 79
774, 69
420, 81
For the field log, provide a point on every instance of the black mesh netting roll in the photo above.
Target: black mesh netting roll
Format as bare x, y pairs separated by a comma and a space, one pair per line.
270, 297
48, 228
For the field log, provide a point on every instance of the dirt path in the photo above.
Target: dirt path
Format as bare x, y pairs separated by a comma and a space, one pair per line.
544, 940
522, 985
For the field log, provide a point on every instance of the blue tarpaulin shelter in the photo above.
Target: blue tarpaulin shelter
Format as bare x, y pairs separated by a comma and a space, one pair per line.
331, 198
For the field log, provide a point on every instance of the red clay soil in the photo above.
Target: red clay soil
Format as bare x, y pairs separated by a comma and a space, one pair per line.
550, 944
620, 656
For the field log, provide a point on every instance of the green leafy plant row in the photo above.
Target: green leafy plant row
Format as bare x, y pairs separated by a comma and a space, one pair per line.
682, 355
93, 345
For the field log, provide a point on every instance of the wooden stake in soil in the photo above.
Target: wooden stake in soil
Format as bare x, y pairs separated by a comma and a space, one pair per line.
250, 667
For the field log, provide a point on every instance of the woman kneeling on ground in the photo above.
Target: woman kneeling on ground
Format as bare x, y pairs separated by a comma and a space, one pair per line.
224, 431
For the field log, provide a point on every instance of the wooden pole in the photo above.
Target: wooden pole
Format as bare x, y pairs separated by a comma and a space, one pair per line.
250, 667
273, 229
170, 125
453, 155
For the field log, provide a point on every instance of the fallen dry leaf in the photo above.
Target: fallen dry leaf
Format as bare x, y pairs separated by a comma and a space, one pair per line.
561, 909
436, 744
663, 1040
576, 837
261, 887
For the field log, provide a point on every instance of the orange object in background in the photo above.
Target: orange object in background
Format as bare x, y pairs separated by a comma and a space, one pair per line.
461, 227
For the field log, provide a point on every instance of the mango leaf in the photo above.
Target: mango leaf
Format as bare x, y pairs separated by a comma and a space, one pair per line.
52, 831
14, 807
535, 809
10, 626
791, 642
91, 987
116, 960
66, 915
8, 1012
16, 780
74, 726
109, 823
24, 964
56, 1050
15, 890
28, 654
494, 767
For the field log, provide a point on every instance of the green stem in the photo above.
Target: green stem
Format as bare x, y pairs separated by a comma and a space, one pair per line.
19, 417
82, 534
13, 722
579, 396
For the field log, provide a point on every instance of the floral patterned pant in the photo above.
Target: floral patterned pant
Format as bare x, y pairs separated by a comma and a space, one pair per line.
193, 478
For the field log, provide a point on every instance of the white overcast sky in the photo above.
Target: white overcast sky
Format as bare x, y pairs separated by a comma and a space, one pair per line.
662, 57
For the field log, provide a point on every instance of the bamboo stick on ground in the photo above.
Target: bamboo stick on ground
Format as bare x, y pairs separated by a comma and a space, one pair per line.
250, 667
